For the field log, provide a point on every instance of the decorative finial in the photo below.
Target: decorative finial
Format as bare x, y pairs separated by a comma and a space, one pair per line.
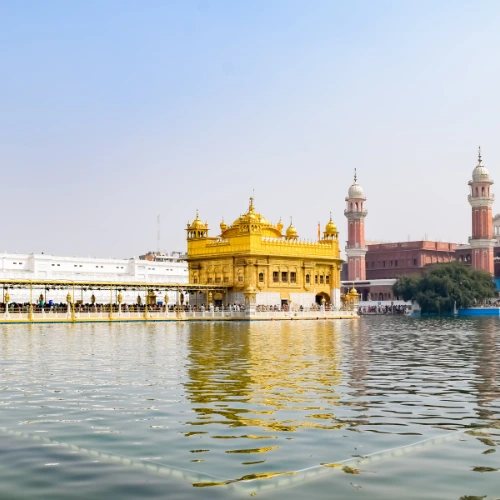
250, 208
196, 213
330, 215
291, 223
355, 176
479, 156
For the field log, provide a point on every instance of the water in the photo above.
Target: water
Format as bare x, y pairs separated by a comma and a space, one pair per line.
199, 410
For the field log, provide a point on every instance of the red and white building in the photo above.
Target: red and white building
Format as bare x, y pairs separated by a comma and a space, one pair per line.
481, 200
374, 268
356, 248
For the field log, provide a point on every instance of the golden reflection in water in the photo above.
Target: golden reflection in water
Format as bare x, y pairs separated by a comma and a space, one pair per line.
359, 361
274, 377
487, 370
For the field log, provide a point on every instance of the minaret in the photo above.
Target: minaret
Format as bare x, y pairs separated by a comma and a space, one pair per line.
481, 200
355, 249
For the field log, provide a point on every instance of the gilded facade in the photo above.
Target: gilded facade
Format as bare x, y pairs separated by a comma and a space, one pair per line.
263, 265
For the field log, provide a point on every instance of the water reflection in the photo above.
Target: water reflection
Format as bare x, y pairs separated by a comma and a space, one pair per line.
280, 381
238, 401
487, 376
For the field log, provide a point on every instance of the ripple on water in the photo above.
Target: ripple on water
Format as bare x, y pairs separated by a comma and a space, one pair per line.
145, 398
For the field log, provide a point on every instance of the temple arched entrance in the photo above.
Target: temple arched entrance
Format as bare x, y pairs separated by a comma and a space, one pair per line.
218, 299
321, 296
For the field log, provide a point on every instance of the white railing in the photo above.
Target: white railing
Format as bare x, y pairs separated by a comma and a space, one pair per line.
172, 315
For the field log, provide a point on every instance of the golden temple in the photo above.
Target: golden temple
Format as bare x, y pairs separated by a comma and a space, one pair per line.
262, 266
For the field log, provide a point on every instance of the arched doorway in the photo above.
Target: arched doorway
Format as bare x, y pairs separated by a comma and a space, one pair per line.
218, 298
322, 296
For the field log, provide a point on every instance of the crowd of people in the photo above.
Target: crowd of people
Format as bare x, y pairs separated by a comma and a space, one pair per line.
387, 309
21, 307
79, 307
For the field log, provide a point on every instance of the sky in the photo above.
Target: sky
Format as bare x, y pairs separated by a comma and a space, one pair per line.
114, 112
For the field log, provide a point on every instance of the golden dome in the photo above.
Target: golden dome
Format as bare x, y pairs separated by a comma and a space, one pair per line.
279, 226
330, 229
291, 232
197, 224
223, 226
256, 221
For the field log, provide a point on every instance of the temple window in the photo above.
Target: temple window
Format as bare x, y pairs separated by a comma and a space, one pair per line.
384, 263
240, 278
195, 280
396, 263
226, 279
316, 279
275, 276
327, 279
209, 280
261, 277
321, 279
414, 262
308, 279
482, 191
217, 280
293, 277
284, 276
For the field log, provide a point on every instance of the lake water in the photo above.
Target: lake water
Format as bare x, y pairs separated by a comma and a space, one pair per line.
380, 408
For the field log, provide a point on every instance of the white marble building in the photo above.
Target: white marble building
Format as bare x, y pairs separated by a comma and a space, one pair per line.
172, 269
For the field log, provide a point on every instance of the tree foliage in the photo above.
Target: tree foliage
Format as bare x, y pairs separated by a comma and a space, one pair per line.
439, 289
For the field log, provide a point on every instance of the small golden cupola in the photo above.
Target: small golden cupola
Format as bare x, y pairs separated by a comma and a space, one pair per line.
291, 232
223, 226
197, 229
279, 226
330, 230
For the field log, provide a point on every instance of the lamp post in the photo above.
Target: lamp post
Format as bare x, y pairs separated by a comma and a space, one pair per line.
166, 304
7, 300
30, 315
70, 313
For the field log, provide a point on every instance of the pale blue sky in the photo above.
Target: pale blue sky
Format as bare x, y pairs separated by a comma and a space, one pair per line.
112, 112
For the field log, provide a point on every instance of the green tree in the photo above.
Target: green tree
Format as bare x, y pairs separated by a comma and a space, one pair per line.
439, 289
406, 287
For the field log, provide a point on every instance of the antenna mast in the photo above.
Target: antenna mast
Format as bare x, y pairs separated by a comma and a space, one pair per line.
158, 232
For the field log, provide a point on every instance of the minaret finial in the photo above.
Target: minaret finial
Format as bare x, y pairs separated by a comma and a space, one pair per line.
355, 176
196, 213
250, 208
479, 156
330, 215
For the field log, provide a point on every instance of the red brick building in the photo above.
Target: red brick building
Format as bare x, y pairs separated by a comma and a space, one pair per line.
373, 268
391, 260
